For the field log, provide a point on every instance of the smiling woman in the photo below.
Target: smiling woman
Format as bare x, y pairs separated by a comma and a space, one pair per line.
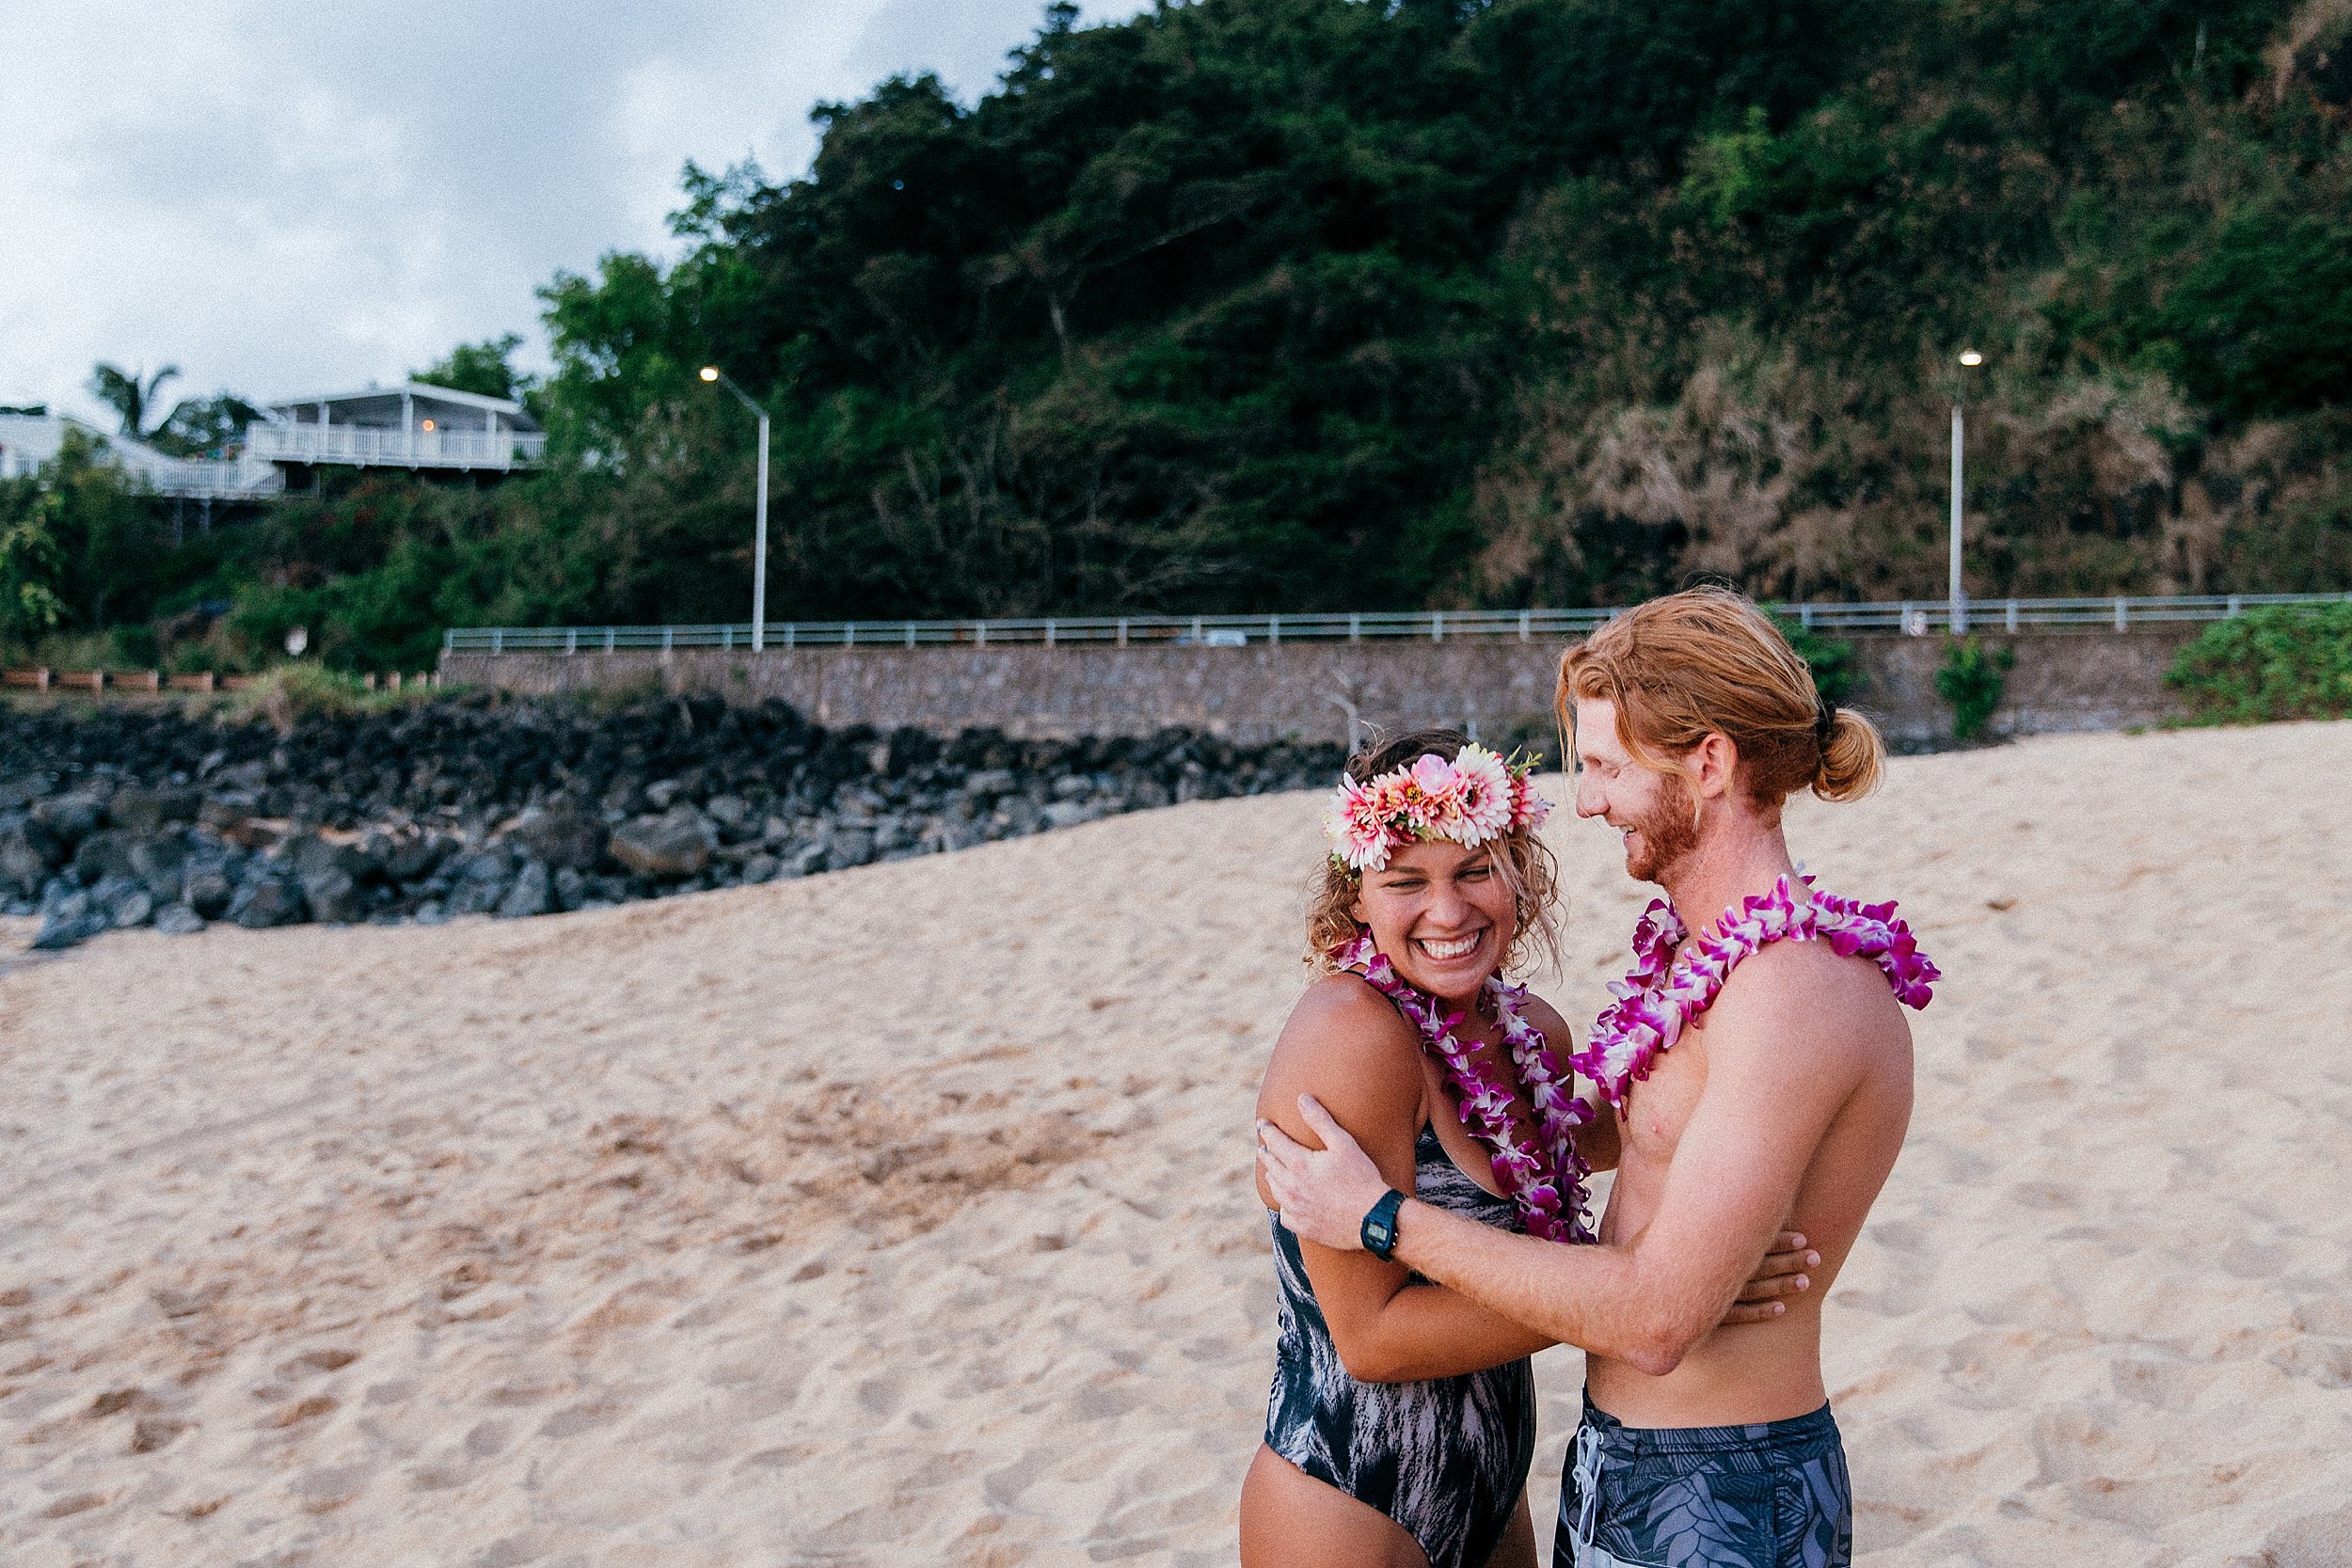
1403, 1420
1519, 862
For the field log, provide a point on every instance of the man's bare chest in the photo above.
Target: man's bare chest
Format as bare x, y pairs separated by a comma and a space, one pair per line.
1660, 1106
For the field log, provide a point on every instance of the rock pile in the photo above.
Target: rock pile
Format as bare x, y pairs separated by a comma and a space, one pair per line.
124, 817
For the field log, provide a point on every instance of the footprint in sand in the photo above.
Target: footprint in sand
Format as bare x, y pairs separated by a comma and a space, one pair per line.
1897, 1235
1003, 1485
2252, 1261
575, 1419
311, 1363
879, 1395
2165, 1384
2326, 1362
2147, 1502
1897, 1300
80, 1502
151, 1432
2331, 1315
2315, 1541
330, 1486
304, 1410
1099, 1403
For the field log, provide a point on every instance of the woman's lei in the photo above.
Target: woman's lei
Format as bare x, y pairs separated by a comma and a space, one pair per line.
1545, 1182
1660, 995
1476, 797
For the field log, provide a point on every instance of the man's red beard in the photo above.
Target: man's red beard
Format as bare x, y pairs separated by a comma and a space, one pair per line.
1669, 832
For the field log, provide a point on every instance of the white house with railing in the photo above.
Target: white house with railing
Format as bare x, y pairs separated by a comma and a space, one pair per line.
29, 440
410, 426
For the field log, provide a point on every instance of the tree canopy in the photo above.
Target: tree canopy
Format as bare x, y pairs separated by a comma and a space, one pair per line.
1322, 304
485, 369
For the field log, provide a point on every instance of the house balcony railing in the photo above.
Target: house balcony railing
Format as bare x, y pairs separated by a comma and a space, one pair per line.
199, 478
367, 446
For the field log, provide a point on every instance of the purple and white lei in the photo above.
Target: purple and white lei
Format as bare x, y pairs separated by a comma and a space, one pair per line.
1661, 994
1545, 1182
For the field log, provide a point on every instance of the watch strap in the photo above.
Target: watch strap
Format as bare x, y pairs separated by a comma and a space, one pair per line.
1379, 1227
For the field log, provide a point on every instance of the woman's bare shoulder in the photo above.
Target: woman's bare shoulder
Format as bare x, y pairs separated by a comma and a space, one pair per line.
1343, 1043
1345, 1010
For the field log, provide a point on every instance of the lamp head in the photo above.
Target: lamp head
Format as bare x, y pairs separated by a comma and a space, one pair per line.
1968, 356
708, 372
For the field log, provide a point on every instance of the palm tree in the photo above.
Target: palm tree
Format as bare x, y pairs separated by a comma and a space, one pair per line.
127, 396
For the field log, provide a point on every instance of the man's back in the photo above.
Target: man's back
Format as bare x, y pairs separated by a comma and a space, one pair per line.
1747, 1067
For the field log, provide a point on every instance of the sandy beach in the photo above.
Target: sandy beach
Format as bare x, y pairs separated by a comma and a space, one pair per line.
903, 1215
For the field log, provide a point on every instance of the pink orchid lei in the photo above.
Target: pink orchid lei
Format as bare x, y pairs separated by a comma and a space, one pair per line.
1660, 995
1544, 1180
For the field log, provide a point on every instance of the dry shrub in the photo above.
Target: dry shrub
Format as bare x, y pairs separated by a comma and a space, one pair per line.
1794, 480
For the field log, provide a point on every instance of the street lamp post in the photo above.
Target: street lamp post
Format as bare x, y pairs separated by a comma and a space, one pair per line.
760, 544
1969, 359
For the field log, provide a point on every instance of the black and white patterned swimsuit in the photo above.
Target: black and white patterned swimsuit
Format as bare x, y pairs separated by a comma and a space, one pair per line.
1445, 1458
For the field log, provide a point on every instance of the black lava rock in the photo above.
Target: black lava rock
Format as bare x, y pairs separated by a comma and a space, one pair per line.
64, 929
563, 836
68, 819
531, 893
489, 804
675, 844
24, 866
209, 893
141, 809
102, 854
333, 895
177, 920
267, 902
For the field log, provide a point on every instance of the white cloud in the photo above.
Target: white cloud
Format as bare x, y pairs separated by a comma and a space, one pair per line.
283, 200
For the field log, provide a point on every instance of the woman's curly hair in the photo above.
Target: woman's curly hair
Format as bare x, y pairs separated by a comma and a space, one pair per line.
1524, 861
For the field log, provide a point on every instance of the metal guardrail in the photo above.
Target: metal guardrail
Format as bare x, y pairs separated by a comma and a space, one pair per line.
102, 681
1918, 617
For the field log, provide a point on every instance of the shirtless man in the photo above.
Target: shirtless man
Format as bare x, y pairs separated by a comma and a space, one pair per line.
1777, 1102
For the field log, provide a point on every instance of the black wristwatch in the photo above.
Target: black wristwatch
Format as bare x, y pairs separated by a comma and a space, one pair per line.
1379, 1231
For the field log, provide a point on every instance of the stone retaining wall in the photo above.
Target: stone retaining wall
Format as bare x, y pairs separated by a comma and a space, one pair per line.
2061, 682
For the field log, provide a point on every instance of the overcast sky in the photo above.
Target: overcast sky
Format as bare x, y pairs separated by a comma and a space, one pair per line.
289, 198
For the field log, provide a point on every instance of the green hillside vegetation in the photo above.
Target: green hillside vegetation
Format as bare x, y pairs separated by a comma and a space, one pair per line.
1293, 305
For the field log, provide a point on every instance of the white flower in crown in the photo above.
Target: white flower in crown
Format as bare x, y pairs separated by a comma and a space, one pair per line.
1483, 794
1357, 826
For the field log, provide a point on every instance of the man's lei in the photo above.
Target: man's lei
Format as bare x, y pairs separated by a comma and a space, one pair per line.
1475, 797
1545, 1180
1661, 994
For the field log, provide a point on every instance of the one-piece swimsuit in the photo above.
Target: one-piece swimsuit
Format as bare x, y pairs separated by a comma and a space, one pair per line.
1446, 1458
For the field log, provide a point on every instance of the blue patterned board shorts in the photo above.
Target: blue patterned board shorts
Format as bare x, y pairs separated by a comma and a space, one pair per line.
1749, 1497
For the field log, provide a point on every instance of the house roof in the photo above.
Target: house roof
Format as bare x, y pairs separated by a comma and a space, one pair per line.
42, 434
420, 391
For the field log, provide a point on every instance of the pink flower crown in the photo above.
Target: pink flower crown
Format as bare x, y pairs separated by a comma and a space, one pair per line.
1475, 797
